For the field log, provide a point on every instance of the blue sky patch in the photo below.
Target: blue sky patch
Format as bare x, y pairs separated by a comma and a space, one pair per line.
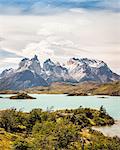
5, 54
26, 6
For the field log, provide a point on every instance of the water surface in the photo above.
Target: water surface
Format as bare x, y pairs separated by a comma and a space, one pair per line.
111, 131
44, 101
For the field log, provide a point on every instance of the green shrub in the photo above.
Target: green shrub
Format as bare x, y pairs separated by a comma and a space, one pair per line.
21, 144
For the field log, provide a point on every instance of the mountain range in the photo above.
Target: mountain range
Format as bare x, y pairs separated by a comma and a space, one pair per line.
30, 73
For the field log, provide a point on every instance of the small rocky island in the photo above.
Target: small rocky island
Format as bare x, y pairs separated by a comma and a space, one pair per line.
22, 96
77, 94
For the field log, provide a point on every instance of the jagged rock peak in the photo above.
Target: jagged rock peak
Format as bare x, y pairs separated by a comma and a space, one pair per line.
24, 59
32, 59
30, 73
30, 64
7, 72
48, 61
86, 61
35, 58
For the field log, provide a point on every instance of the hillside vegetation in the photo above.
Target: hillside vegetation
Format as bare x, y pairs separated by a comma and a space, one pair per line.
59, 130
64, 88
112, 89
90, 88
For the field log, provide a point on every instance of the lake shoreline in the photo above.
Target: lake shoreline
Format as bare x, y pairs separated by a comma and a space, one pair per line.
110, 131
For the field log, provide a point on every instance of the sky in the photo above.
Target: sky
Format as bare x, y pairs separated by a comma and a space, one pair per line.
60, 29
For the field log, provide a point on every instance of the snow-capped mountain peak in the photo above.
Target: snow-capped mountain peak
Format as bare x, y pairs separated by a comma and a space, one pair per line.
74, 62
49, 62
35, 58
92, 62
24, 64
30, 64
55, 71
89, 70
7, 72
30, 73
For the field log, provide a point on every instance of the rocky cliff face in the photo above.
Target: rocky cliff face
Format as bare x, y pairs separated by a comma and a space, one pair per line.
90, 70
27, 75
30, 64
55, 72
30, 73
6, 73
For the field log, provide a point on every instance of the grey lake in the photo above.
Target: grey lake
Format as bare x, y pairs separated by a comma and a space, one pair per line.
44, 101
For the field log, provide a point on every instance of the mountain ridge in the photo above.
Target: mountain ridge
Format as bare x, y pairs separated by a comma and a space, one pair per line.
30, 73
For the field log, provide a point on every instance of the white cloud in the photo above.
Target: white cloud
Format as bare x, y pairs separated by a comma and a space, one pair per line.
79, 33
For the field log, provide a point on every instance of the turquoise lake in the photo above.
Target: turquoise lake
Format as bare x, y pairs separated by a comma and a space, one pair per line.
44, 101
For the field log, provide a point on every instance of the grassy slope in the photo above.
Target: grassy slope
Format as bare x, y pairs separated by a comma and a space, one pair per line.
63, 88
108, 89
6, 139
112, 88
